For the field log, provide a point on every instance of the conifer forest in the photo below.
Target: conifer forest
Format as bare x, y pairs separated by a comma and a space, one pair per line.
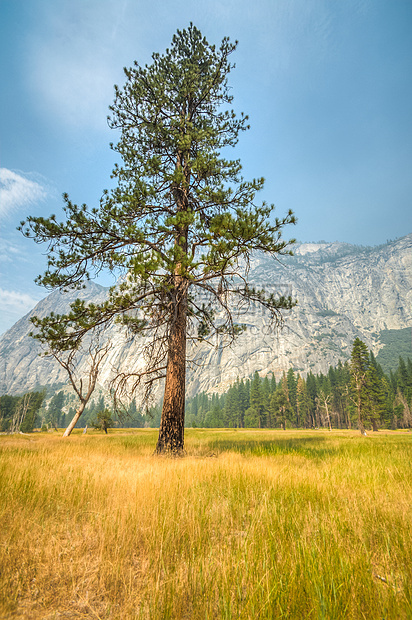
332, 401
327, 401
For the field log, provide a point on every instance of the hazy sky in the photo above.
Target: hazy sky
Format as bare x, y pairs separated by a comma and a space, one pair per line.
327, 85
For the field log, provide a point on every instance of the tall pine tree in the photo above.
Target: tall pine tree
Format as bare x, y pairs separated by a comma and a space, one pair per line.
181, 224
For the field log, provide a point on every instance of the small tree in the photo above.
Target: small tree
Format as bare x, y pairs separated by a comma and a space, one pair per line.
181, 225
57, 334
103, 420
324, 398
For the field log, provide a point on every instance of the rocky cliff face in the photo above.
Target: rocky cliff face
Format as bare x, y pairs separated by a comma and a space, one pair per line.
343, 291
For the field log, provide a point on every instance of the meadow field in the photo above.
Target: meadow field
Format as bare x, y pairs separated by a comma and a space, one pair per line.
250, 524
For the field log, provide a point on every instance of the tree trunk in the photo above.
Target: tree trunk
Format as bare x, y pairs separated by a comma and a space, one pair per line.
75, 419
328, 415
171, 431
338, 418
360, 421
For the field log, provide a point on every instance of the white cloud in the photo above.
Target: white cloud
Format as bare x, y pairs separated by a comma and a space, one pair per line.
13, 306
18, 191
9, 252
15, 302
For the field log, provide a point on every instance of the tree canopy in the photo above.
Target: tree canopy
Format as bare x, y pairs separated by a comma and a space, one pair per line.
179, 228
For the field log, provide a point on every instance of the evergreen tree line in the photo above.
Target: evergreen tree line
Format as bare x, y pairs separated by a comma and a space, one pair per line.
356, 394
20, 413
34, 410
60, 411
328, 401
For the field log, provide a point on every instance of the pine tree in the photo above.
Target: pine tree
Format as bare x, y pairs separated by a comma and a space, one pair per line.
256, 400
359, 366
180, 226
338, 378
409, 371
376, 392
231, 410
312, 396
243, 402
280, 407
344, 382
292, 385
54, 410
302, 403
404, 379
266, 401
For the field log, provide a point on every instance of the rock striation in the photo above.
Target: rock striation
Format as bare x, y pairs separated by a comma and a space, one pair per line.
343, 291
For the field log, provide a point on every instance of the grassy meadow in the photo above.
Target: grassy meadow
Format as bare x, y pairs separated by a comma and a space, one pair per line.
251, 524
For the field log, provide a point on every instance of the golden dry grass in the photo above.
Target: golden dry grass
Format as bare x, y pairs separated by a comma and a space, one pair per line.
251, 524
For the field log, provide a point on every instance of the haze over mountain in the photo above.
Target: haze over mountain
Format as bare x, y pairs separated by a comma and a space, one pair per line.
343, 291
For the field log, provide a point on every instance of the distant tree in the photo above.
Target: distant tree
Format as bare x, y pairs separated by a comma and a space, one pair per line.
376, 392
280, 407
181, 225
409, 371
243, 401
213, 418
337, 388
302, 403
292, 391
324, 402
7, 406
256, 401
401, 382
54, 410
251, 418
404, 380
343, 383
403, 411
266, 394
359, 366
312, 397
133, 418
103, 420
31, 417
232, 410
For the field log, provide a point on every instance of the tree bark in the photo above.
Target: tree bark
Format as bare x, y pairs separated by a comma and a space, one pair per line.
171, 431
328, 415
75, 419
359, 409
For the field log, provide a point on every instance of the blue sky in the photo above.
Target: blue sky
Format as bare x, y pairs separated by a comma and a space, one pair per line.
326, 83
